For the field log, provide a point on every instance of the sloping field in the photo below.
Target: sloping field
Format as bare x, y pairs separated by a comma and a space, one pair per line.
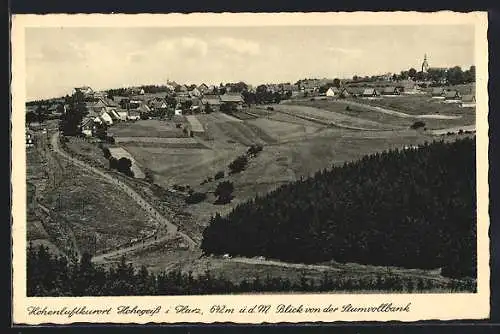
160, 142
282, 131
333, 118
432, 112
181, 166
244, 134
195, 123
120, 152
417, 105
243, 115
358, 111
147, 128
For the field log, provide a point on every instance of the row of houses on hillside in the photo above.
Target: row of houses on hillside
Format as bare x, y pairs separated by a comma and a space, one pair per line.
448, 96
453, 96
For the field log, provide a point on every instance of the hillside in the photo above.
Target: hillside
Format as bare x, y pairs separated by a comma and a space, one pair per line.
414, 208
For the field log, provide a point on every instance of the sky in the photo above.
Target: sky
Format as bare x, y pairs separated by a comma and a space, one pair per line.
58, 59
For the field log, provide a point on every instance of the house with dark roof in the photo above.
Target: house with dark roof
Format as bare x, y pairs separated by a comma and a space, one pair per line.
452, 96
468, 101
232, 101
202, 88
87, 126
390, 91
370, 92
211, 101
438, 93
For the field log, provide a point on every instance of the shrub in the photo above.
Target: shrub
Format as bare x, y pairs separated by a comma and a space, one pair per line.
219, 175
196, 197
239, 164
254, 149
270, 108
348, 108
418, 125
224, 192
123, 166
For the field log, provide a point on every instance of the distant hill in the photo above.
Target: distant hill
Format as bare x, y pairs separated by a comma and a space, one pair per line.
414, 208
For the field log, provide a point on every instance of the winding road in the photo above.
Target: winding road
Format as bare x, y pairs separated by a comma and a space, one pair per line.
172, 230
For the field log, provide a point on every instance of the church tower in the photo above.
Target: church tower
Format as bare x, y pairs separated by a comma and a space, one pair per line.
425, 64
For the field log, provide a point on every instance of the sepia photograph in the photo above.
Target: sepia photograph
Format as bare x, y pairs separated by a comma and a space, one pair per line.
191, 160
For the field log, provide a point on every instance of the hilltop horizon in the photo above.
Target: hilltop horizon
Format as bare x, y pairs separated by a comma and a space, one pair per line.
60, 59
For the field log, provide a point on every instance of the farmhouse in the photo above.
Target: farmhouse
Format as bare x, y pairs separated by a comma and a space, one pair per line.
369, 92
468, 101
437, 93
332, 92
211, 101
203, 88
133, 115
87, 127
123, 114
85, 90
452, 96
390, 91
195, 92
106, 118
232, 101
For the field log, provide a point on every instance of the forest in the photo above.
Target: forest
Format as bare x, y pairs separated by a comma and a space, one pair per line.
50, 275
411, 208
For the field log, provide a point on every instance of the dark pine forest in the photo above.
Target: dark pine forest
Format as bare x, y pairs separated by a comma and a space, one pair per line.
413, 208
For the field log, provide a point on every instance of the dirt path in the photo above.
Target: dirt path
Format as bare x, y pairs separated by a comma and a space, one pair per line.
171, 229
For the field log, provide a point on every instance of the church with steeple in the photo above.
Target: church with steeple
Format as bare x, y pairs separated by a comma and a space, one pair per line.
425, 64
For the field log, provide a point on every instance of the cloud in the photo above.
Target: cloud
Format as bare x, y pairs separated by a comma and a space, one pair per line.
344, 51
242, 46
188, 47
56, 53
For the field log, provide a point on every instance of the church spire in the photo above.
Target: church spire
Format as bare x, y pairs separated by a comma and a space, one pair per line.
425, 64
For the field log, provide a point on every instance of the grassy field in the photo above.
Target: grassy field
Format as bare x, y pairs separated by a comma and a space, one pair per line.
412, 105
332, 117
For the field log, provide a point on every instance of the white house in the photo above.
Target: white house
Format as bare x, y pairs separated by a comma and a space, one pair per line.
123, 114
106, 118
332, 92
133, 115
178, 112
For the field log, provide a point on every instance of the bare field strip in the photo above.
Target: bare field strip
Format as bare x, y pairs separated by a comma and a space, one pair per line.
195, 123
159, 140
242, 134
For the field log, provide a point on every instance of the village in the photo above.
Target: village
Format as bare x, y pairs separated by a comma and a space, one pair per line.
174, 100
139, 171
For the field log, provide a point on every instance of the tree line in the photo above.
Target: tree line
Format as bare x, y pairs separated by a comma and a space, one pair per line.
51, 275
412, 208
